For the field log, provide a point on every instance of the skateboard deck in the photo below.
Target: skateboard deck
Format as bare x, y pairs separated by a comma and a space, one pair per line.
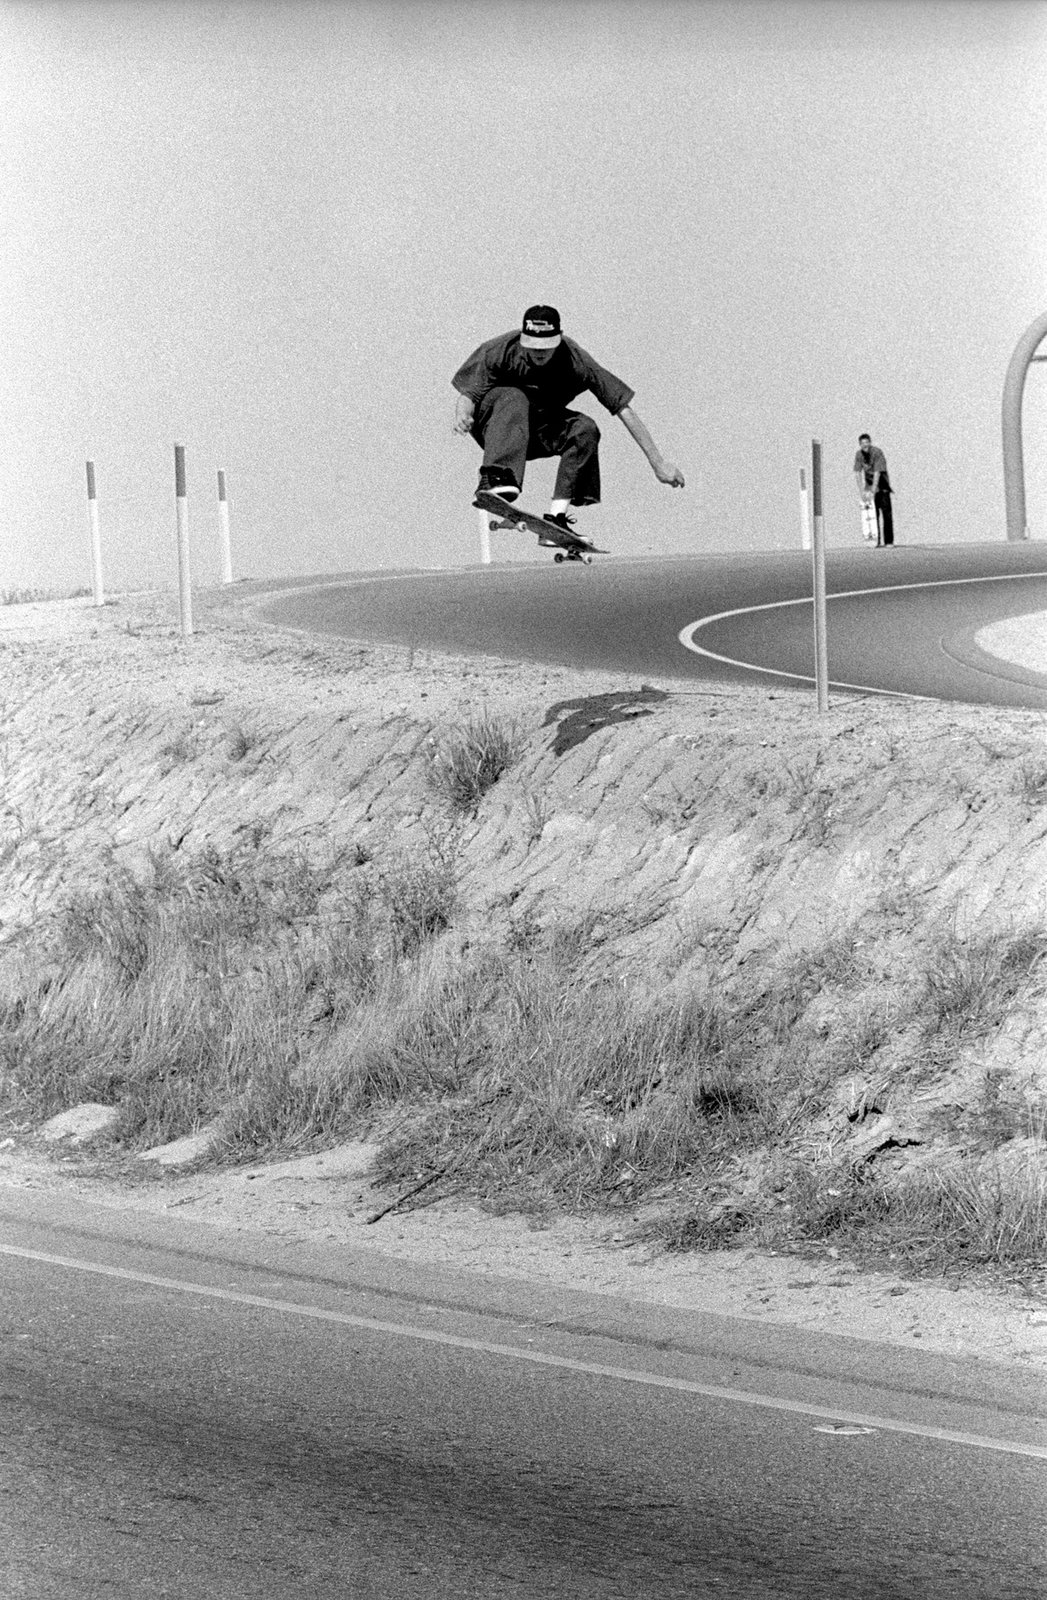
870, 526
569, 546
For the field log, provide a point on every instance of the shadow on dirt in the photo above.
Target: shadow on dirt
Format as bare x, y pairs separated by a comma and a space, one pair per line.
577, 720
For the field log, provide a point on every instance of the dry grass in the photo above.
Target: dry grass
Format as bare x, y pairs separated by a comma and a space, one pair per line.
177, 994
297, 1001
471, 759
931, 1220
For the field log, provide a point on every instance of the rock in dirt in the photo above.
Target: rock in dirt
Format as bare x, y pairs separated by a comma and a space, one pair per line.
81, 1123
885, 1131
183, 1152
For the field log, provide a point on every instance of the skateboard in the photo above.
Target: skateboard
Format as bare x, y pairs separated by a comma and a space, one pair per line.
569, 546
870, 526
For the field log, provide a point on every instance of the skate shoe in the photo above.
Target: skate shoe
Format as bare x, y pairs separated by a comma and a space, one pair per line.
497, 481
562, 520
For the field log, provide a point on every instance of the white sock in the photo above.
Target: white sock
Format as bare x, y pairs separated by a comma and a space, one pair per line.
557, 506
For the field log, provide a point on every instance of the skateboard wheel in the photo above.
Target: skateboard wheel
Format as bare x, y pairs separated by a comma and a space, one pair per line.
558, 557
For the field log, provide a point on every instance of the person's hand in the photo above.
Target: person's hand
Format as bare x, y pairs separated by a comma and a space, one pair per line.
463, 417
668, 472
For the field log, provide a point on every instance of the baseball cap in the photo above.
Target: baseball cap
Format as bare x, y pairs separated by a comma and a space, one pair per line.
541, 328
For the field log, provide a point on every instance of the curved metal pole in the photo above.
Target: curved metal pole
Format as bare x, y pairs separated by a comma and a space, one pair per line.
1013, 464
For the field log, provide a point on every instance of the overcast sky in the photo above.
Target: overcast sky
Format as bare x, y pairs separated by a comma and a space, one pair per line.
271, 232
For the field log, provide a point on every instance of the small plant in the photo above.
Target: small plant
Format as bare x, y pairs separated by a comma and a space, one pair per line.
971, 983
836, 963
239, 742
796, 781
470, 761
896, 899
806, 796
865, 1031
693, 1231
538, 812
183, 748
418, 896
818, 816
760, 782
995, 1216
1031, 780
1006, 1109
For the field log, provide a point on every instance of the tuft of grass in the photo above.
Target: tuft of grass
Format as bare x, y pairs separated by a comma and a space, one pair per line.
469, 761
184, 747
538, 813
419, 894
970, 983
1007, 1108
1031, 780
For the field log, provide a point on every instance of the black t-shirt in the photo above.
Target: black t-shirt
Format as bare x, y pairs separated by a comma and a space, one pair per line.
551, 387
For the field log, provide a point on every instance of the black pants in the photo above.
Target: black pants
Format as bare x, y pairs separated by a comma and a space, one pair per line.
513, 432
884, 516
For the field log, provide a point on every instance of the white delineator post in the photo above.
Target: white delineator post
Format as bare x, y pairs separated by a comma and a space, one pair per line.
185, 593
96, 538
485, 537
223, 530
821, 630
805, 512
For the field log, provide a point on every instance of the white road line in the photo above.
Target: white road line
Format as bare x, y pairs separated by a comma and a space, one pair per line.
509, 1352
686, 635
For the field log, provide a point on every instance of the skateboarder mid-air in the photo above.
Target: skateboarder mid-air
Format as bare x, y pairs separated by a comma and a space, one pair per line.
513, 397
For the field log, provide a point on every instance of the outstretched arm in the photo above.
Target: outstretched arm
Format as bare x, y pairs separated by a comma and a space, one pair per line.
664, 471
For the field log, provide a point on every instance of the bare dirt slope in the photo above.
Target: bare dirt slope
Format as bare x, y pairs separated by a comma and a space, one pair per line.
679, 821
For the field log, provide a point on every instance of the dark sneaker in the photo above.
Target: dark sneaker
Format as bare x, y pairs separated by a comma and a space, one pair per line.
498, 481
565, 523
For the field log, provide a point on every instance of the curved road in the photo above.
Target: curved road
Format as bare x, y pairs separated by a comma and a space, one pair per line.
901, 621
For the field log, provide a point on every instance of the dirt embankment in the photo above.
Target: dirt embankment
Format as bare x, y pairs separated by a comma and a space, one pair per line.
868, 853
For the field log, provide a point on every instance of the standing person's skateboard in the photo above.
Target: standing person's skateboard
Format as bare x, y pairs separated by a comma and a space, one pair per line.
569, 546
870, 526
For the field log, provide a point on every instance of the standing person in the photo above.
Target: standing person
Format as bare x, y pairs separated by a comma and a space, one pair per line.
513, 398
874, 486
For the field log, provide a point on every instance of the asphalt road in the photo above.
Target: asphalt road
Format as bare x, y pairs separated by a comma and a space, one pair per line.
900, 620
190, 1413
